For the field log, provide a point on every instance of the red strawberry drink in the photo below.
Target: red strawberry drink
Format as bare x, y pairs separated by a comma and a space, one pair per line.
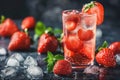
79, 37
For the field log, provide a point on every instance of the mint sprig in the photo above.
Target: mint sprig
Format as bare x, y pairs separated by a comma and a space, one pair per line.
51, 60
104, 45
41, 28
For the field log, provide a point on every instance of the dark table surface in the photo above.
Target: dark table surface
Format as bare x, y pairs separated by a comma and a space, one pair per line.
110, 33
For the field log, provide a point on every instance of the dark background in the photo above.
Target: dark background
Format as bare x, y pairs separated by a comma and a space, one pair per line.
49, 11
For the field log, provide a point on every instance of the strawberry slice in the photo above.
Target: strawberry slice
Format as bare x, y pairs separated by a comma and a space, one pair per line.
87, 52
85, 35
70, 25
106, 58
72, 22
78, 59
73, 43
68, 52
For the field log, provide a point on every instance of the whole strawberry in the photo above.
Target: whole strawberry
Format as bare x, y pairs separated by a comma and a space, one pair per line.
19, 41
46, 43
28, 23
106, 57
8, 28
62, 67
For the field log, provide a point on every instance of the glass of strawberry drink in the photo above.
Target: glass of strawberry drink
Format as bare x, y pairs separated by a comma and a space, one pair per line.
79, 38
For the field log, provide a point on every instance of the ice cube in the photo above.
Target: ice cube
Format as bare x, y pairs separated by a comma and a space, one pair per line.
8, 72
12, 62
118, 59
2, 58
3, 51
17, 56
92, 70
34, 72
30, 61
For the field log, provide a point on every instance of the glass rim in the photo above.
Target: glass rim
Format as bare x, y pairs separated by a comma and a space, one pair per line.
78, 12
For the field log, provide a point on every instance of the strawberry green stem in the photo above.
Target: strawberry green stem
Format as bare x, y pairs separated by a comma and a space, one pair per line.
2, 19
88, 6
104, 45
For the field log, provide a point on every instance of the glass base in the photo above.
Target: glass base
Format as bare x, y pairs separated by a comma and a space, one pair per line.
80, 67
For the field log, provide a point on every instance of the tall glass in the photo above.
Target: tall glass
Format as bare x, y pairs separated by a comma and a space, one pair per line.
79, 38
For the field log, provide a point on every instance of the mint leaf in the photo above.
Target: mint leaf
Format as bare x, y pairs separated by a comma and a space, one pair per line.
49, 30
50, 55
50, 61
59, 57
39, 28
57, 31
50, 67
105, 44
